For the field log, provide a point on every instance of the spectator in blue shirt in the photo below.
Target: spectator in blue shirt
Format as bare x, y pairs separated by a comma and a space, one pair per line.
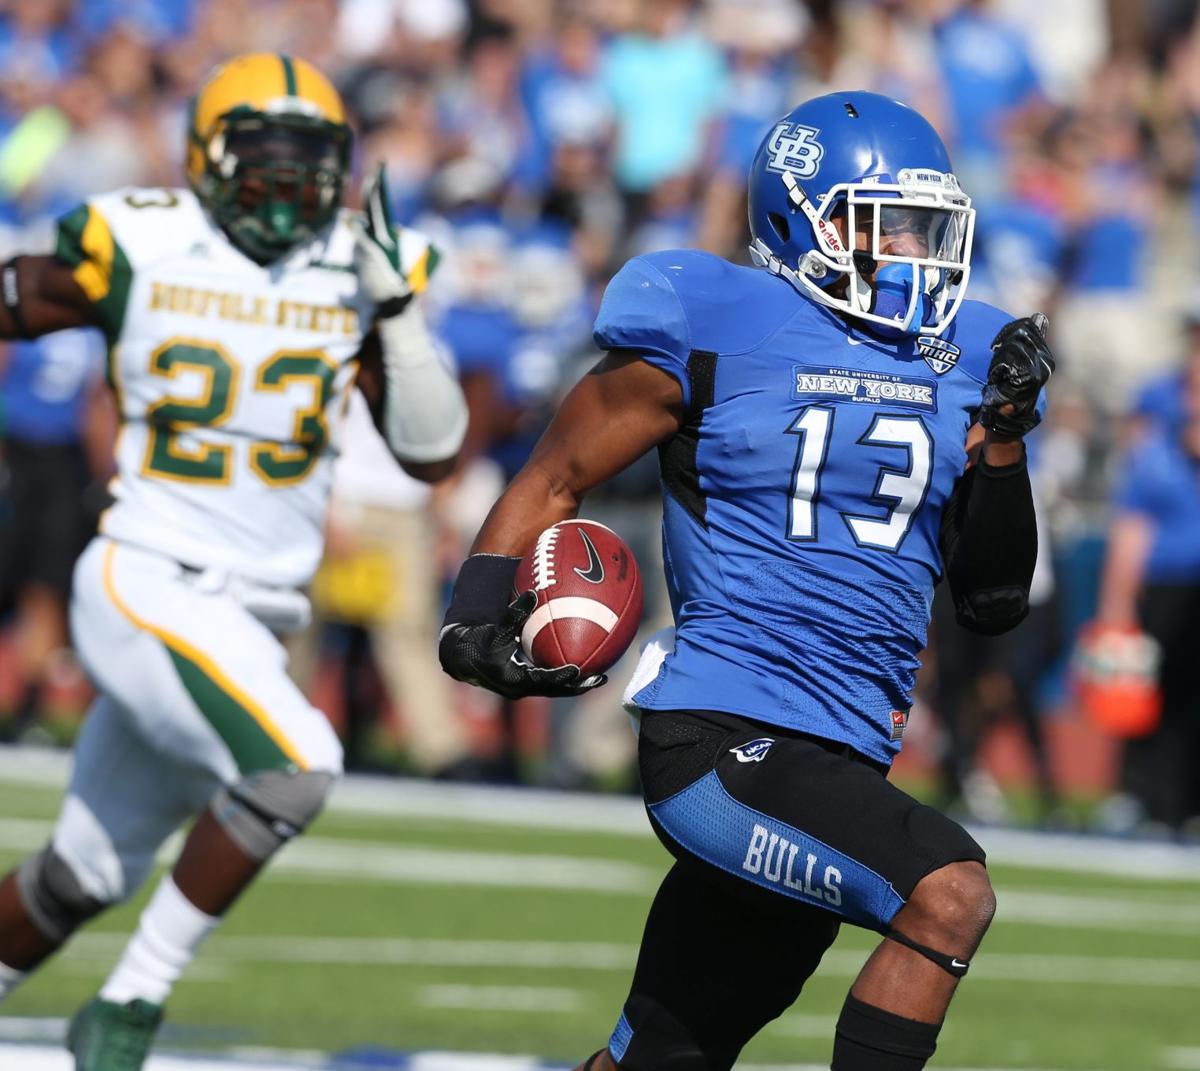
45, 390
564, 94
666, 82
1152, 581
990, 82
1161, 403
1109, 341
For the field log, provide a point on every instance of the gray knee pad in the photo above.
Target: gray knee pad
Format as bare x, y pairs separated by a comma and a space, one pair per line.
264, 811
53, 895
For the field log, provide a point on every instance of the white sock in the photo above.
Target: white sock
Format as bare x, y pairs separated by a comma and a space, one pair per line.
10, 978
169, 933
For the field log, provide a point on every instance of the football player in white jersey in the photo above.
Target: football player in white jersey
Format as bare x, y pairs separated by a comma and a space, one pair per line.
237, 312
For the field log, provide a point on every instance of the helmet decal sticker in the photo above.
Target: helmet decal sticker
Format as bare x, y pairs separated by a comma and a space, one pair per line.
794, 148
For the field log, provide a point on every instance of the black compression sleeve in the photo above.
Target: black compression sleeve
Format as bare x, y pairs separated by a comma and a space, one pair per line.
989, 546
483, 590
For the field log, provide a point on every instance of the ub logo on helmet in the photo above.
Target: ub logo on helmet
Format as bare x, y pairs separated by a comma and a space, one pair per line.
794, 147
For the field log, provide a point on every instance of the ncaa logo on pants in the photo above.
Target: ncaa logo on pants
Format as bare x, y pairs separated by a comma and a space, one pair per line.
753, 750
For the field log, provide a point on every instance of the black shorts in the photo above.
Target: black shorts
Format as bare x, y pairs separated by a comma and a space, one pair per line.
47, 522
777, 836
791, 815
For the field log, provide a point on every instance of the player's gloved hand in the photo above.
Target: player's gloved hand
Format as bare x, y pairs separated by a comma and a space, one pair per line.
377, 249
1021, 366
491, 657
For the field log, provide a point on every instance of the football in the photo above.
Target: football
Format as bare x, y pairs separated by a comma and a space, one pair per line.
589, 597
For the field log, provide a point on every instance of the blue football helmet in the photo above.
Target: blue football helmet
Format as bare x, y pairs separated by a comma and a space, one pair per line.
879, 165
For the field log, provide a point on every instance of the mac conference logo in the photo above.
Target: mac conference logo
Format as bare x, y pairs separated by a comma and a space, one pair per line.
939, 354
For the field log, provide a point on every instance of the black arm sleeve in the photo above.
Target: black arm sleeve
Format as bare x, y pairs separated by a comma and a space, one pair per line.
989, 547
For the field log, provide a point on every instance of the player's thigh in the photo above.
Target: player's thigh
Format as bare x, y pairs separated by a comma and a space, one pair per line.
791, 818
123, 801
203, 680
715, 966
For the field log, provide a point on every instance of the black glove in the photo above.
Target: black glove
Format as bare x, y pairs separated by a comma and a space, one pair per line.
1021, 366
491, 657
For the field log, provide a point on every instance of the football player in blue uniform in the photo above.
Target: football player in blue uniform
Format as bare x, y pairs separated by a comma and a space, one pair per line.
837, 428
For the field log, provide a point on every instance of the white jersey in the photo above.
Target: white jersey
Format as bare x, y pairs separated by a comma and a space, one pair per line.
231, 378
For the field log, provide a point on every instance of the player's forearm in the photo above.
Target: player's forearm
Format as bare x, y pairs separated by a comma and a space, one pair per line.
536, 499
532, 503
999, 453
1124, 567
38, 295
424, 413
12, 318
991, 554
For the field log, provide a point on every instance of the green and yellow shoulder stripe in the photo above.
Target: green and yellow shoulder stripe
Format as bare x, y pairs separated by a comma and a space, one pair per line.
85, 242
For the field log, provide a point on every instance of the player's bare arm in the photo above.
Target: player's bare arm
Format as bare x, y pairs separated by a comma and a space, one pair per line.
41, 295
617, 412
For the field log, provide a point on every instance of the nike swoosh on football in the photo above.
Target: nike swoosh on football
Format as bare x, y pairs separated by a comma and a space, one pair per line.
594, 574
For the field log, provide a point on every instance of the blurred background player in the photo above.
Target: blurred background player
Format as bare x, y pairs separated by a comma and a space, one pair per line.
1151, 584
813, 420
237, 312
55, 436
377, 599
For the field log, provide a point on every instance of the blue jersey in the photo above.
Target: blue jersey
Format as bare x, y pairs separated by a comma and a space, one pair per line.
45, 384
803, 497
1161, 482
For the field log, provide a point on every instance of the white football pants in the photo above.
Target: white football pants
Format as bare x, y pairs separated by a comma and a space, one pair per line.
194, 694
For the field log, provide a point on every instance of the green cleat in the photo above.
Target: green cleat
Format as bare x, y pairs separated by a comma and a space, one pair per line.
113, 1037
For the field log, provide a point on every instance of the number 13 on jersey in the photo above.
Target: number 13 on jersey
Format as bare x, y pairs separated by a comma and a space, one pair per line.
902, 489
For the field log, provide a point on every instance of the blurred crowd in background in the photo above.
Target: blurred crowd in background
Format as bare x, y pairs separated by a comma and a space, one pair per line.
542, 142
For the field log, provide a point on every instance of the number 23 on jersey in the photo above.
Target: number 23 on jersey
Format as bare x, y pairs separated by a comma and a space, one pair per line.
169, 456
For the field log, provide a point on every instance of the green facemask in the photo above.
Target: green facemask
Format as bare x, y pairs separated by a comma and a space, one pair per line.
277, 182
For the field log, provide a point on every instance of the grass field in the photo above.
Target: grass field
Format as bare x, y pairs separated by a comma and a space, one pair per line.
511, 927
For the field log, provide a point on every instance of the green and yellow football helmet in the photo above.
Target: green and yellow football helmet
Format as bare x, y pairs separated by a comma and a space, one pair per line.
268, 151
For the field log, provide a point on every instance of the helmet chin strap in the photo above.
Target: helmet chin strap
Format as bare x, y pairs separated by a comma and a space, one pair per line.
915, 307
899, 297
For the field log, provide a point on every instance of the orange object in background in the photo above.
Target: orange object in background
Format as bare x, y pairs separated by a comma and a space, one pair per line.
1115, 675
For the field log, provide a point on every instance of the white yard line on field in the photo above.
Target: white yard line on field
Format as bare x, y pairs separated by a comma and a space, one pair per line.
505, 998
42, 1058
45, 1058
1181, 1059
325, 859
456, 866
541, 809
798, 1025
1033, 969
